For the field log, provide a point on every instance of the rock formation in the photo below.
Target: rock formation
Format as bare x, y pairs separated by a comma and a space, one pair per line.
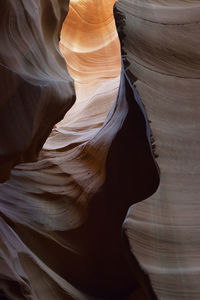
64, 232
162, 48
61, 216
35, 85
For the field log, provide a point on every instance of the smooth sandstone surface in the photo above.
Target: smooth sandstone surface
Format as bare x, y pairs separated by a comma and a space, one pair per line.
35, 84
61, 216
162, 48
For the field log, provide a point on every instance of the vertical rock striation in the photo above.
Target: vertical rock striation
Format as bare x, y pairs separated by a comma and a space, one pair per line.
162, 48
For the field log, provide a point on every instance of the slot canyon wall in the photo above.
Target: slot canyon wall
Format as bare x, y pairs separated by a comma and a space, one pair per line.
163, 51
77, 151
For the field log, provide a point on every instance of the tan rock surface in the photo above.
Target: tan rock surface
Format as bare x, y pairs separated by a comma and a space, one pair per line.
61, 216
162, 47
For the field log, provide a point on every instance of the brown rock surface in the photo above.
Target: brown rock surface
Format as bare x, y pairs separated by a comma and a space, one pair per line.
61, 216
162, 47
35, 85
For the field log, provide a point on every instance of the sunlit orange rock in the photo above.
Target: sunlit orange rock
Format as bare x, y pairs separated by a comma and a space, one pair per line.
62, 215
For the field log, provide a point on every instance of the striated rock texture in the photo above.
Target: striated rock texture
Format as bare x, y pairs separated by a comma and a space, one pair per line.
61, 216
162, 47
35, 85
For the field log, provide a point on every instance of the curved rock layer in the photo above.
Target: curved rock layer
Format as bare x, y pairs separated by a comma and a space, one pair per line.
162, 48
61, 216
35, 84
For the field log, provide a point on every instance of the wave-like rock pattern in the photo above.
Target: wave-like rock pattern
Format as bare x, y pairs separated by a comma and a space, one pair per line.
61, 216
162, 48
35, 84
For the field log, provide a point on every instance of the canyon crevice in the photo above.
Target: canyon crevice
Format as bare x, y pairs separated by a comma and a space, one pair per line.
95, 204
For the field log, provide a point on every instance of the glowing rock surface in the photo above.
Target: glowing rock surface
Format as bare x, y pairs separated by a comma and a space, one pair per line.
61, 216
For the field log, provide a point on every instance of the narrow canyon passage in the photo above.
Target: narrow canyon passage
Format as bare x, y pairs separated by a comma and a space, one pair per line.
81, 217
64, 213
90, 45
